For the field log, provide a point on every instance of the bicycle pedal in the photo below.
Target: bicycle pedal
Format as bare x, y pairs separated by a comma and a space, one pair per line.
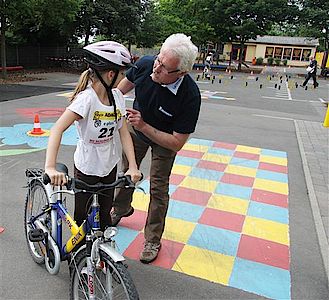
36, 235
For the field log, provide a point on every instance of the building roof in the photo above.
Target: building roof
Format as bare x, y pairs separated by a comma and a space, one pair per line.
285, 40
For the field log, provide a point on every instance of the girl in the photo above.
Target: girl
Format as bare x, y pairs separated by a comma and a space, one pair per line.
98, 112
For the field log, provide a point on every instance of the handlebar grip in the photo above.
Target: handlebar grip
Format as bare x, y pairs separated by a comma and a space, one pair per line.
46, 179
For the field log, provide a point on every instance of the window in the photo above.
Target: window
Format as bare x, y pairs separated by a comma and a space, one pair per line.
306, 54
287, 53
269, 52
278, 52
296, 54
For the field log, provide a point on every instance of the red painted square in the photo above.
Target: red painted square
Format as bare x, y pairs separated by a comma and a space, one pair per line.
222, 219
176, 179
205, 164
190, 153
273, 167
191, 196
43, 112
264, 251
237, 179
167, 256
270, 198
246, 155
136, 221
224, 145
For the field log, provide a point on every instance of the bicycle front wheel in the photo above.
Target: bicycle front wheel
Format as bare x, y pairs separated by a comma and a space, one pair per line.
112, 280
36, 201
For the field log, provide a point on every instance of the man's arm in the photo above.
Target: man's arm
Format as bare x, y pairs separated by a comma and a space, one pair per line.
125, 86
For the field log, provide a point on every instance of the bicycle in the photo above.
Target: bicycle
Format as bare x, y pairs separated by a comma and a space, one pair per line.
97, 270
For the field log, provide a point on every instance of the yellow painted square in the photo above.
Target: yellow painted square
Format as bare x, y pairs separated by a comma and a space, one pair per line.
178, 230
266, 229
218, 158
227, 203
282, 161
181, 169
141, 201
66, 95
248, 149
271, 186
202, 263
200, 184
239, 170
193, 147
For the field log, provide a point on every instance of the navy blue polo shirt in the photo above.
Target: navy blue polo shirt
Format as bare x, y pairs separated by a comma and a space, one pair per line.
161, 108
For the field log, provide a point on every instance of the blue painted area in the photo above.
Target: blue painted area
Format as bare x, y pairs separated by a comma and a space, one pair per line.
185, 211
195, 141
261, 279
186, 161
215, 239
273, 153
172, 188
269, 175
234, 190
124, 238
206, 174
269, 212
145, 185
17, 135
248, 163
217, 97
221, 151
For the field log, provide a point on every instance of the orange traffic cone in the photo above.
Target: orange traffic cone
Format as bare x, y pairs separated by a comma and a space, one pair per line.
36, 127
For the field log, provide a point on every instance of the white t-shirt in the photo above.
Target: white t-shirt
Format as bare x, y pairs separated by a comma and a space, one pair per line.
99, 148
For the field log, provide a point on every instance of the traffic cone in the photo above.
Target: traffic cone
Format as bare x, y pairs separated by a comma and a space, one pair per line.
2, 229
36, 127
326, 119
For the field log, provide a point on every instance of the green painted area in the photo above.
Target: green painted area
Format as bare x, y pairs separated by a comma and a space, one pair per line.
10, 152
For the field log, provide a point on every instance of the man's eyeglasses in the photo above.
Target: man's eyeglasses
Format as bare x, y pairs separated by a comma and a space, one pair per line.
159, 63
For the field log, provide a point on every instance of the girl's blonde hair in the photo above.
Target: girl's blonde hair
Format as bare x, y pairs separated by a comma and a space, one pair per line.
82, 83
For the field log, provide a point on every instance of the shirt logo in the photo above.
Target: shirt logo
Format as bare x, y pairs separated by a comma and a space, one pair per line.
165, 112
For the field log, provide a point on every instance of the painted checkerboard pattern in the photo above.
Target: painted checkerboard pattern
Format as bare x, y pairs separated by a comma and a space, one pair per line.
227, 220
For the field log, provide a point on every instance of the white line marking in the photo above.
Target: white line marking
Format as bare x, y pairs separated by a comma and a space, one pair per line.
289, 93
274, 117
298, 100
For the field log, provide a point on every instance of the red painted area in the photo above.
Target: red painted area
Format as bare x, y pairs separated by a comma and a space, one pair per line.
270, 198
222, 219
224, 145
237, 179
136, 221
191, 196
15, 68
273, 167
246, 155
167, 256
264, 251
190, 153
205, 164
176, 179
46, 112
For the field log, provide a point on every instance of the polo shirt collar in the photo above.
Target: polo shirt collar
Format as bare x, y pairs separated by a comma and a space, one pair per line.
173, 87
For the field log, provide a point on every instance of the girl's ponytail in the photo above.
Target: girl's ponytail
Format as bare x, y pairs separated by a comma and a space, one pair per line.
82, 83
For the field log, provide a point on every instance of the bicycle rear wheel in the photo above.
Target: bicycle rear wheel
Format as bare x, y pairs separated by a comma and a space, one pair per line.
36, 200
112, 280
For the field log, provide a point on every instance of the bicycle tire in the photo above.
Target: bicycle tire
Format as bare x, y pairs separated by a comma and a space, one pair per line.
36, 199
123, 286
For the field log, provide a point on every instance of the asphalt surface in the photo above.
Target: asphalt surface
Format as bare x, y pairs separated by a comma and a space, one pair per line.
289, 119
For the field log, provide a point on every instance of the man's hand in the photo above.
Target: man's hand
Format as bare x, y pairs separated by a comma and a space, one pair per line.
135, 119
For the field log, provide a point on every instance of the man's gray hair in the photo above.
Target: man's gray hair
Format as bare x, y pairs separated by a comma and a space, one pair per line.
182, 46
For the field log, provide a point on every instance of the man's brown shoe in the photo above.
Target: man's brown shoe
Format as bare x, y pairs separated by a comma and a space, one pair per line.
116, 217
150, 252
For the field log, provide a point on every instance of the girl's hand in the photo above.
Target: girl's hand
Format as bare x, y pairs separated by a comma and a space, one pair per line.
135, 174
57, 178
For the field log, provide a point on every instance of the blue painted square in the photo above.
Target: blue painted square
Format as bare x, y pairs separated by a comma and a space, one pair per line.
185, 211
201, 142
145, 185
273, 153
215, 239
124, 238
269, 212
186, 161
221, 151
261, 279
243, 162
206, 174
172, 188
234, 190
275, 176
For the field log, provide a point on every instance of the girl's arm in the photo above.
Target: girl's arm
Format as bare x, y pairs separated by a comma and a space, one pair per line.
128, 148
56, 132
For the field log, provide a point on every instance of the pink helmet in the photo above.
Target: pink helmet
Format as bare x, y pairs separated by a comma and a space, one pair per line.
107, 54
